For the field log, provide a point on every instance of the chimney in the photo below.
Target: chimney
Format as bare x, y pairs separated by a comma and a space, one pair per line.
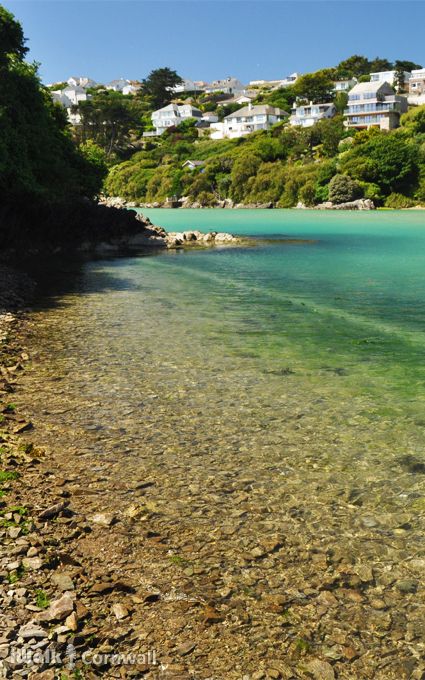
250, 106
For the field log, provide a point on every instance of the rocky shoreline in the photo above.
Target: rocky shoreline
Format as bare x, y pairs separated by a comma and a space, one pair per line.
92, 588
118, 202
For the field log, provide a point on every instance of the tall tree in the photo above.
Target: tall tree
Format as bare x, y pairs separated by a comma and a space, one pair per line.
109, 118
159, 85
379, 64
406, 65
39, 164
317, 87
12, 41
356, 65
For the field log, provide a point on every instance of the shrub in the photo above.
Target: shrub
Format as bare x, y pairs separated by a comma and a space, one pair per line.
398, 201
343, 189
307, 193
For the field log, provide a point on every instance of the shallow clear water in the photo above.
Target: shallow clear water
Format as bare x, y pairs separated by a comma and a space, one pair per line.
290, 375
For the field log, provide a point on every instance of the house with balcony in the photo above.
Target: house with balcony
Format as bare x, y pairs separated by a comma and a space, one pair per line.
307, 115
374, 104
246, 120
172, 115
389, 77
417, 82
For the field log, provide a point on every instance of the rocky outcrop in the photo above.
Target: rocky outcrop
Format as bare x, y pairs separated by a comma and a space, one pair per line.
359, 204
184, 202
197, 238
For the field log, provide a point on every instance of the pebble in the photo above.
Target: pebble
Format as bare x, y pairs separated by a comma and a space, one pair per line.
103, 519
59, 609
320, 670
186, 648
407, 586
62, 580
120, 611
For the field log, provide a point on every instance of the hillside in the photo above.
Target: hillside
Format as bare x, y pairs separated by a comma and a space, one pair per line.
282, 166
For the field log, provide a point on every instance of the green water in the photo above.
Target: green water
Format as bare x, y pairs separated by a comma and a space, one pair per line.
352, 301
276, 390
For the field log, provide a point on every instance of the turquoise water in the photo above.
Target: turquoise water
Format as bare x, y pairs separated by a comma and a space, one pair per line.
354, 299
274, 398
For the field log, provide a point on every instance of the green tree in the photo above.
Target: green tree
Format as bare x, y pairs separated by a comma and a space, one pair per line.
385, 159
12, 41
414, 120
109, 118
354, 66
39, 163
331, 132
245, 166
399, 80
341, 100
159, 84
343, 189
406, 65
379, 64
317, 87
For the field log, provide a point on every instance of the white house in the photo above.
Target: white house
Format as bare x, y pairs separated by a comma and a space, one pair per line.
118, 85
74, 94
389, 77
417, 82
245, 98
275, 84
172, 115
229, 85
81, 81
187, 86
306, 115
210, 117
344, 85
246, 120
374, 104
69, 98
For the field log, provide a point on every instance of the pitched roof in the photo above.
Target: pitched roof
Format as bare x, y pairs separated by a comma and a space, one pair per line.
259, 109
196, 163
373, 86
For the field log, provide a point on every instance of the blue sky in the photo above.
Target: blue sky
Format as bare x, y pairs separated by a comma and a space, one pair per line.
204, 39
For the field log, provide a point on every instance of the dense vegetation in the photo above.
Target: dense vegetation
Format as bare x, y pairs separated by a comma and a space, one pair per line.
38, 159
44, 165
46, 180
282, 166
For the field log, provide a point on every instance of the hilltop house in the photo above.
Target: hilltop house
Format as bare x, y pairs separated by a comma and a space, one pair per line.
417, 81
307, 115
228, 86
75, 94
81, 81
389, 77
374, 104
187, 86
172, 115
69, 98
246, 120
275, 84
118, 85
